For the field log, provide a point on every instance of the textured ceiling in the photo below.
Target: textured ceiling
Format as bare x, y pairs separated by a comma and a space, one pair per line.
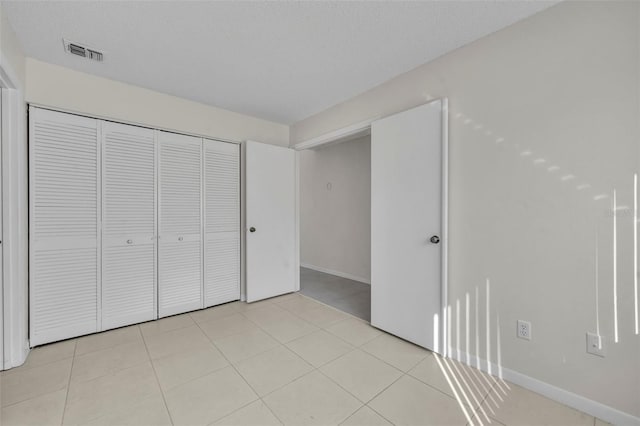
282, 61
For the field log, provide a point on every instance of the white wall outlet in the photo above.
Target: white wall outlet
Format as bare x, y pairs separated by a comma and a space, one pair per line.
524, 330
595, 344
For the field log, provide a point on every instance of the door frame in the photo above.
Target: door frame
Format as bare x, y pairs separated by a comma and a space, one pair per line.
14, 216
363, 128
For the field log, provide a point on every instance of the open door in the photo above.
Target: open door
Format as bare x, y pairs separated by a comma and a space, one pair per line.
408, 224
271, 246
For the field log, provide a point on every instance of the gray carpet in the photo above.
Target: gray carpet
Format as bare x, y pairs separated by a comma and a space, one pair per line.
347, 295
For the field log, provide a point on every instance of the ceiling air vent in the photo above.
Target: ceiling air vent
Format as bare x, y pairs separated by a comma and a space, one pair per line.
83, 51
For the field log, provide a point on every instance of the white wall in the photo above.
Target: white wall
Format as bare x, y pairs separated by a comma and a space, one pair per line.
544, 125
335, 224
68, 90
14, 195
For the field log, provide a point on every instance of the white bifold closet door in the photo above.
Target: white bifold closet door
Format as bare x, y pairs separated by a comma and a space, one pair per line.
128, 225
64, 185
222, 222
180, 224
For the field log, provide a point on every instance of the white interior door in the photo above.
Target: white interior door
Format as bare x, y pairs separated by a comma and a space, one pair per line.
271, 221
222, 222
128, 225
64, 218
180, 224
407, 229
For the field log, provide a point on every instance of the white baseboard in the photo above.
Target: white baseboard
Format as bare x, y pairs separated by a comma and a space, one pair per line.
336, 273
573, 400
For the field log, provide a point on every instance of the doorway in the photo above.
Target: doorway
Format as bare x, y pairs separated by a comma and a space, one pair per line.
407, 201
335, 225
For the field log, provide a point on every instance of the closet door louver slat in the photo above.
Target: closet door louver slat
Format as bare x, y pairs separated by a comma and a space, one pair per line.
128, 225
64, 211
222, 222
180, 224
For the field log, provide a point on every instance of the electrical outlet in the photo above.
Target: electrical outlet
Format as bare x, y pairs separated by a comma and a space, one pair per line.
595, 344
524, 330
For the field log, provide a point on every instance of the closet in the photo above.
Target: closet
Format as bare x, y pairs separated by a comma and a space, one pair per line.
127, 224
180, 223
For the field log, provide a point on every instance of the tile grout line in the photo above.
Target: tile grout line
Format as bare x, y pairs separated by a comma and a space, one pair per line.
239, 374
155, 374
354, 348
66, 398
313, 367
331, 307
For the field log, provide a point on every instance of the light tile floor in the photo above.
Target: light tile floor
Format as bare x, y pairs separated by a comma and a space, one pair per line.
347, 295
288, 360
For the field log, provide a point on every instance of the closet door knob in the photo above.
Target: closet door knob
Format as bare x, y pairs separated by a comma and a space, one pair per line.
435, 239
180, 238
252, 229
129, 241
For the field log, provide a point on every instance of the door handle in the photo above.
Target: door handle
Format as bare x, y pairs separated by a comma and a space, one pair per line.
180, 238
435, 239
129, 241
252, 229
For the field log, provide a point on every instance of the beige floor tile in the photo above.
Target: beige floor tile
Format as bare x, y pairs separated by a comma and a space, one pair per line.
148, 412
188, 365
20, 384
471, 385
521, 407
312, 400
323, 316
107, 339
298, 305
430, 372
397, 352
287, 297
365, 417
176, 341
255, 414
110, 394
166, 324
361, 374
214, 312
354, 331
42, 410
50, 353
209, 398
319, 347
108, 361
247, 307
475, 384
245, 345
287, 328
272, 369
227, 326
410, 402
265, 314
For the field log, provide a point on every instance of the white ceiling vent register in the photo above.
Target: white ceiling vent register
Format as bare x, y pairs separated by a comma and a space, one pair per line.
82, 50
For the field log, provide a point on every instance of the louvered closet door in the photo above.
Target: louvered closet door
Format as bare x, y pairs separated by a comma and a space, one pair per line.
128, 225
180, 248
222, 222
64, 214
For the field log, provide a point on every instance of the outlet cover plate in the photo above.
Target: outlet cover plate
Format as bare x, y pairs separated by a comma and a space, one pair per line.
524, 330
595, 345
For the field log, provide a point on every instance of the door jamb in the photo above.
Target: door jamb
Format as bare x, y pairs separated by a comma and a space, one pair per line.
14, 283
363, 128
